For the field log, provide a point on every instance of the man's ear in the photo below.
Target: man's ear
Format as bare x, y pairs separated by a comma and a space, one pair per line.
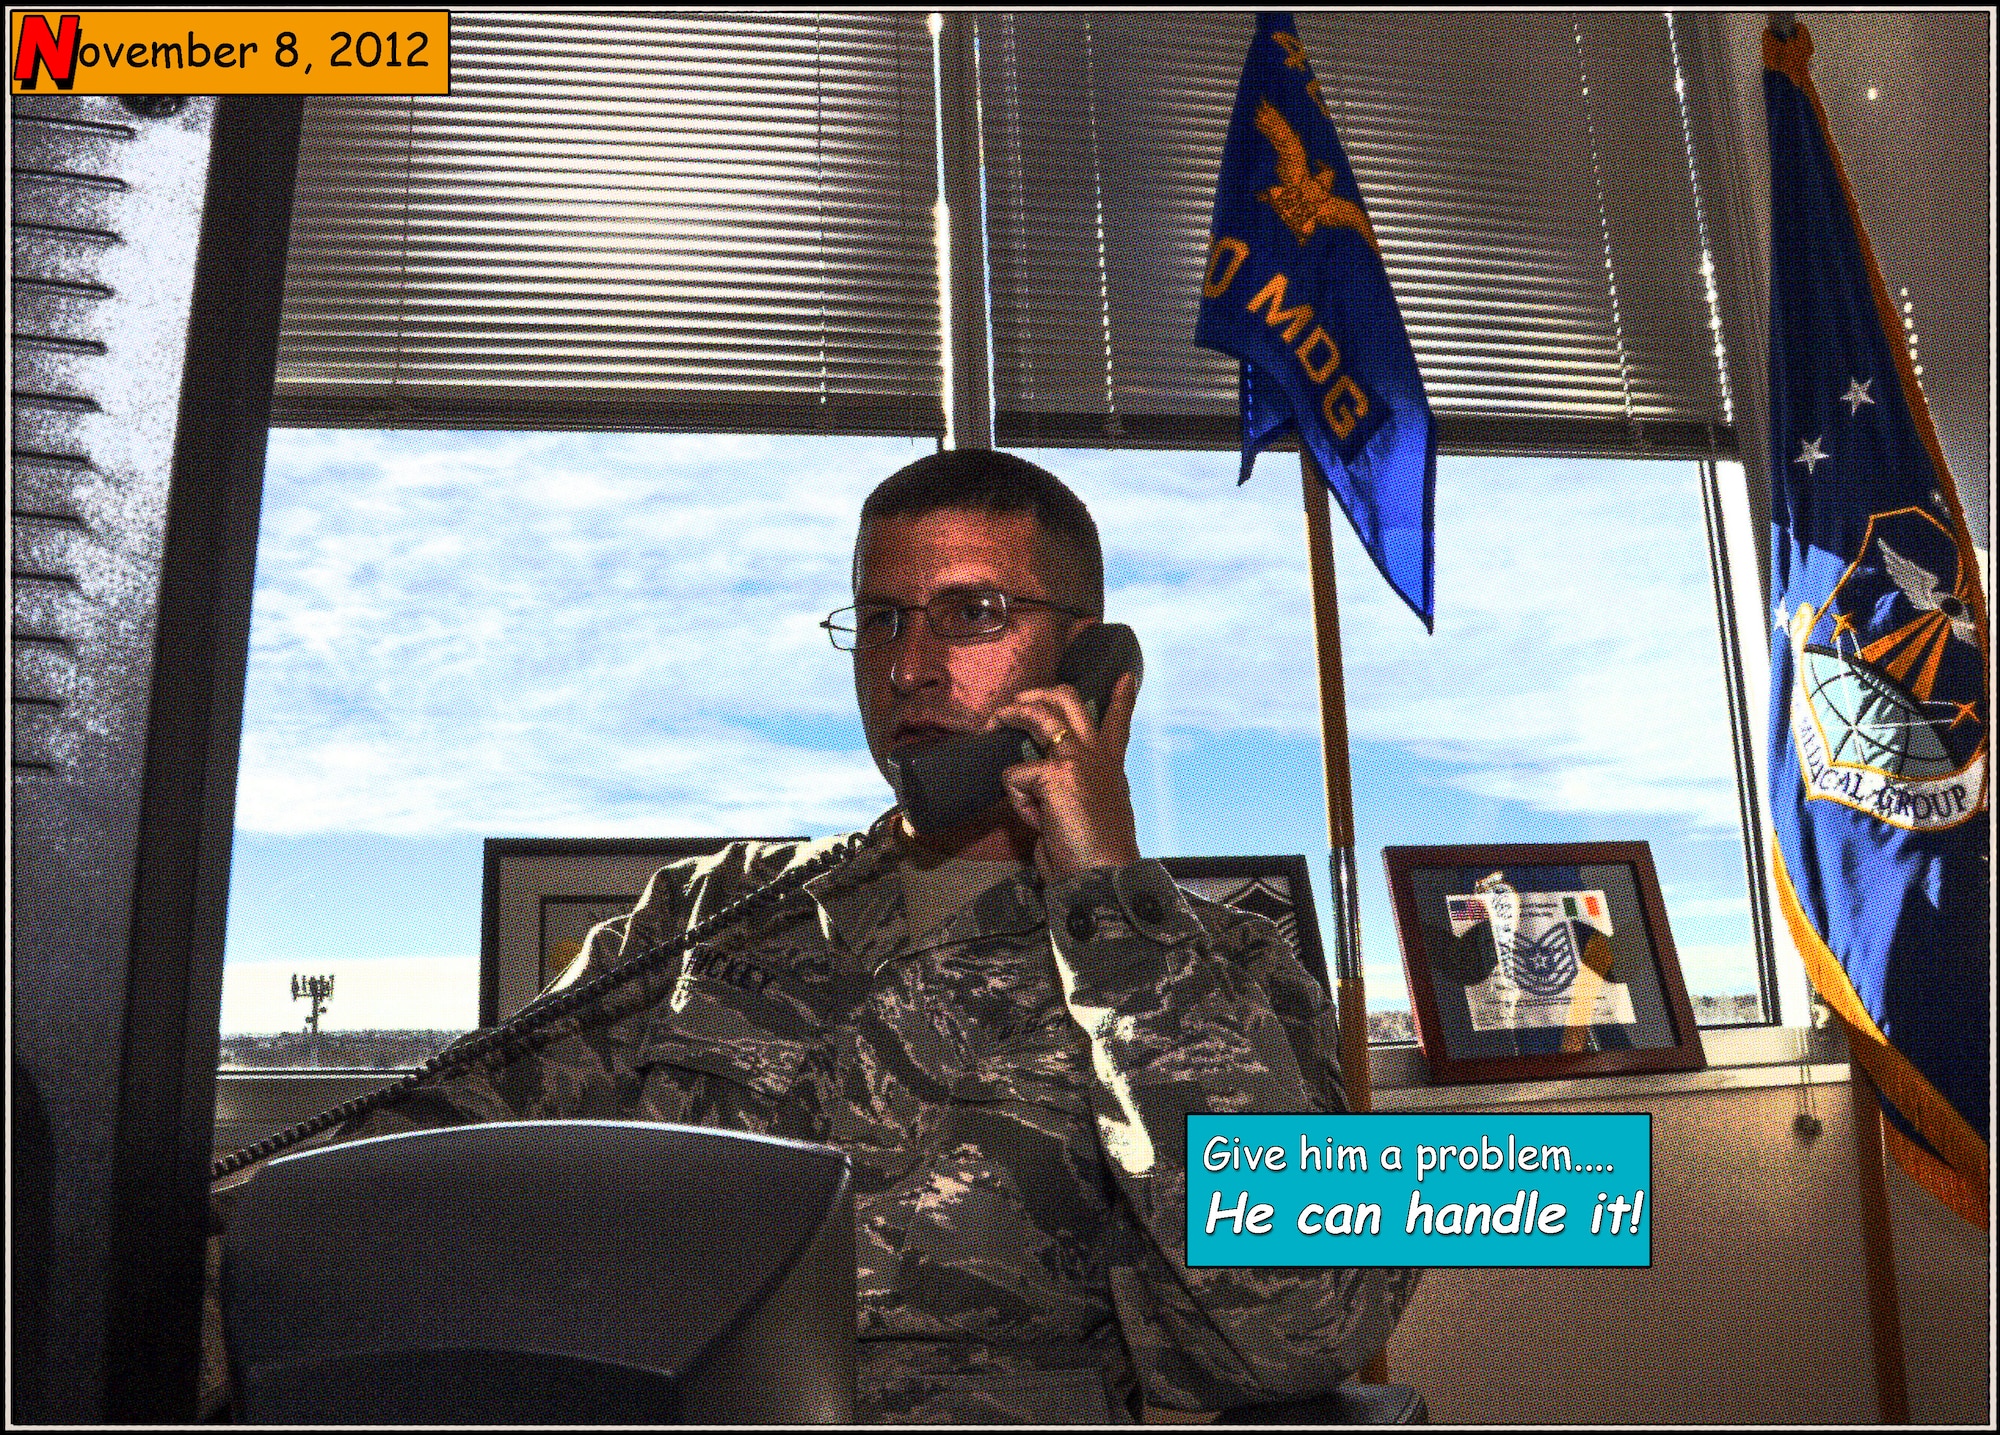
1062, 570
1072, 633
860, 547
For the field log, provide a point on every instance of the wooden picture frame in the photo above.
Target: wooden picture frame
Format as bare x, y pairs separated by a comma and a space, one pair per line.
1274, 887
1528, 961
542, 895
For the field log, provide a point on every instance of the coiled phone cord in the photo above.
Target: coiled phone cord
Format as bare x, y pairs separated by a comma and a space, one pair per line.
533, 1020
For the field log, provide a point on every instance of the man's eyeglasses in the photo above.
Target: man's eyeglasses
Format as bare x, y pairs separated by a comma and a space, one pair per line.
958, 615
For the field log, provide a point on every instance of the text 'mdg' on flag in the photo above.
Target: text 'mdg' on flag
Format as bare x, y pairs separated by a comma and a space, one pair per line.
1295, 290
1880, 705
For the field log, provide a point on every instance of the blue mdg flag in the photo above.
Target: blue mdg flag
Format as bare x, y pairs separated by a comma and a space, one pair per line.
1296, 291
1879, 693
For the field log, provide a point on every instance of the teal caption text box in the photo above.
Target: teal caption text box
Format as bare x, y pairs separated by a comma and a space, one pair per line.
1408, 1189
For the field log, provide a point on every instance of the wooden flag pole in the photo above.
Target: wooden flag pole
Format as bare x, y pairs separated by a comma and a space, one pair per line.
1878, 1244
1351, 998
1351, 993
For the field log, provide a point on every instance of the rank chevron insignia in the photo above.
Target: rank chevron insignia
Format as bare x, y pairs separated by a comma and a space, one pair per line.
1303, 196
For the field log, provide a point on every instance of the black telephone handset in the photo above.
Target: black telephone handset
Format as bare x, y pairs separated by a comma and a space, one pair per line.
951, 782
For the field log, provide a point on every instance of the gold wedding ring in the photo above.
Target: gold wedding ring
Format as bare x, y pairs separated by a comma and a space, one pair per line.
1062, 735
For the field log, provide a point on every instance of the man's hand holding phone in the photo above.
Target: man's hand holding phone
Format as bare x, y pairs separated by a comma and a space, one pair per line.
1076, 795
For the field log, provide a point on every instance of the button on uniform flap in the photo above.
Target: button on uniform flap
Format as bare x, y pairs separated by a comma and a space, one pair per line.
1151, 902
1081, 922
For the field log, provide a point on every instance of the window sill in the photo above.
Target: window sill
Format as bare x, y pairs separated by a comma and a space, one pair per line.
1739, 1058
251, 1105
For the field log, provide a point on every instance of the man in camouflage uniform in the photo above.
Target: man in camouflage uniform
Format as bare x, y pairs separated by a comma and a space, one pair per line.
1003, 1026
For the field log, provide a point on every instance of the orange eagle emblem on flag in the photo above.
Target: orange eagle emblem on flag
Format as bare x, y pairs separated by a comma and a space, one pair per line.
1303, 196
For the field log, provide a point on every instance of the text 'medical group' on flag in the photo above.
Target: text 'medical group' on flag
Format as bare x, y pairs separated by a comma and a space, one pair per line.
1880, 700
1295, 291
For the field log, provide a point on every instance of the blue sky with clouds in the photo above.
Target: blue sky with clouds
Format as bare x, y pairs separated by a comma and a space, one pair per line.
463, 635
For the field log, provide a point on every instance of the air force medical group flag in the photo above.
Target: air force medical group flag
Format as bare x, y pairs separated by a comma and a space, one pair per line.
1879, 682
1296, 291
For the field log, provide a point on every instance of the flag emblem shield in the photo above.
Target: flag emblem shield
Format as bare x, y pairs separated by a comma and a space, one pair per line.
1889, 681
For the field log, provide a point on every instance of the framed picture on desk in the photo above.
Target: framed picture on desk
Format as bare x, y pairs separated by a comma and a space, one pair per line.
1539, 960
1274, 887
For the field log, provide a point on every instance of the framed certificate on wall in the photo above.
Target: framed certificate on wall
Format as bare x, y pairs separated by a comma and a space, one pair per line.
544, 894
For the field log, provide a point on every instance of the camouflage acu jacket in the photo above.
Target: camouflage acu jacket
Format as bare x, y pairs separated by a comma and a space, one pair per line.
1011, 1089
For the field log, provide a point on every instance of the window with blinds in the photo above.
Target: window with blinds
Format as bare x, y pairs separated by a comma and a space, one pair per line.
724, 222
1533, 179
693, 221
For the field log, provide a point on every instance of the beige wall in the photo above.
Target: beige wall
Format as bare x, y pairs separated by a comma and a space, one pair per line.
1754, 1310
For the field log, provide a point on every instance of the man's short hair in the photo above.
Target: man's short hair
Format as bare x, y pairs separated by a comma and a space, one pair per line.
985, 480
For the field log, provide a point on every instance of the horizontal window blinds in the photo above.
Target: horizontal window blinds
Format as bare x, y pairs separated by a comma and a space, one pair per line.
1530, 177
658, 221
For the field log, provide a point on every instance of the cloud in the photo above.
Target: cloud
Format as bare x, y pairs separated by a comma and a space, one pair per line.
1716, 968
612, 633
574, 633
522, 778
1687, 908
